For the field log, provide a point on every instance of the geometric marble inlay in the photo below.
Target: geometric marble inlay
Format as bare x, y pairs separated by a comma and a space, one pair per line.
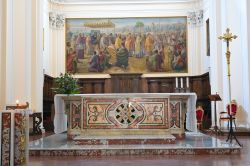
76, 115
130, 113
125, 114
175, 110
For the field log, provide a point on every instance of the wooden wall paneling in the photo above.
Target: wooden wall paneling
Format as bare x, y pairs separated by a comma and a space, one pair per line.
153, 86
107, 86
201, 86
91, 85
136, 85
98, 88
86, 88
167, 85
143, 84
125, 83
48, 101
114, 84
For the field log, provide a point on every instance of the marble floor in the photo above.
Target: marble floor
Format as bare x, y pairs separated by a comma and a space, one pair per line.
241, 159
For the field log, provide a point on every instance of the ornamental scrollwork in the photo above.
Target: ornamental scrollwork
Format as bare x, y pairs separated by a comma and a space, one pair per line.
56, 20
195, 17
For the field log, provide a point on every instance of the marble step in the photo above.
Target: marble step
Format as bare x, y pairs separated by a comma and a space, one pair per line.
125, 140
192, 144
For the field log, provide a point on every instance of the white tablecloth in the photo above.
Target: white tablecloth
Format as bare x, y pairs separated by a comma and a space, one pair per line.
60, 120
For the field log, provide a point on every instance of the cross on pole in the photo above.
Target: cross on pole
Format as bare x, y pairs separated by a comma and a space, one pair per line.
228, 37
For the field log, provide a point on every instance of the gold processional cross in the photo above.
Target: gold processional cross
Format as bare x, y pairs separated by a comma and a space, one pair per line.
228, 37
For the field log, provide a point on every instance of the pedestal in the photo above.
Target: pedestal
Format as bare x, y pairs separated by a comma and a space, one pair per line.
14, 137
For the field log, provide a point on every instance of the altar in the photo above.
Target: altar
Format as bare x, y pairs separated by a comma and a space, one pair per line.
126, 114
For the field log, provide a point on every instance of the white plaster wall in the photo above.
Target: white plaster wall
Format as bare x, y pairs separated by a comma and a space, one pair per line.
246, 99
92, 10
205, 60
237, 22
37, 58
23, 73
2, 52
214, 15
222, 17
243, 118
46, 58
18, 57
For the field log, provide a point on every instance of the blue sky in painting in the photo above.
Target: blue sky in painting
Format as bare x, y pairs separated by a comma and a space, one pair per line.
120, 22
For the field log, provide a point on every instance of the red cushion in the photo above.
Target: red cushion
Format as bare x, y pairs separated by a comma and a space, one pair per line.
199, 115
233, 107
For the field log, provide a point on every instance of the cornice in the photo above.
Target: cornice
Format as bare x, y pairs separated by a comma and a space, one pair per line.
118, 2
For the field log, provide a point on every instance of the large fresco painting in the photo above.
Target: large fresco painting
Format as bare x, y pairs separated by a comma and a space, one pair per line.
126, 45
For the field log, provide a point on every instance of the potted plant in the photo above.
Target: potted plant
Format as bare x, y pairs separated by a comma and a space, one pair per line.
66, 84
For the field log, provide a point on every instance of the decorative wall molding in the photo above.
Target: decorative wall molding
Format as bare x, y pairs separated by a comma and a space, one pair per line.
195, 17
56, 20
56, 1
102, 2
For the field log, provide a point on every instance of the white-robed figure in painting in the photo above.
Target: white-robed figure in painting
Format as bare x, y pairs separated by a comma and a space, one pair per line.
138, 47
88, 45
103, 41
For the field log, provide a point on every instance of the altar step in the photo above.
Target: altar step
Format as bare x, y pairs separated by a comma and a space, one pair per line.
193, 144
125, 140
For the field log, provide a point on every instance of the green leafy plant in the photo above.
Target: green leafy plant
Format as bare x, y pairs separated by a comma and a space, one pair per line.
66, 84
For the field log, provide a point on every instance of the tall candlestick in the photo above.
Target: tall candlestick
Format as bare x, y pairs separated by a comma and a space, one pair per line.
176, 82
187, 82
181, 82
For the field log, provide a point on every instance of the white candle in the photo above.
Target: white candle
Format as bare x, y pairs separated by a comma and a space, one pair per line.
176, 82
181, 82
187, 82
17, 102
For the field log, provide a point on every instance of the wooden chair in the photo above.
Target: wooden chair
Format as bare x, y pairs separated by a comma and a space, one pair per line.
199, 116
224, 116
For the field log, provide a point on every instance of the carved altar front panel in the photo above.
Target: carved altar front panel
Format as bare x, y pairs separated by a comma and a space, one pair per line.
75, 117
129, 114
175, 111
125, 113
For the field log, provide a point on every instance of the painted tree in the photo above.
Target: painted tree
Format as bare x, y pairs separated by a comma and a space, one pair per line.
139, 25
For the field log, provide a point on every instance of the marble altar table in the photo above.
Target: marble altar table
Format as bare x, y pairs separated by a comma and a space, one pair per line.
125, 114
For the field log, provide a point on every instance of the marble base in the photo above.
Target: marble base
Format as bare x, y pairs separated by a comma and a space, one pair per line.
118, 152
125, 140
193, 144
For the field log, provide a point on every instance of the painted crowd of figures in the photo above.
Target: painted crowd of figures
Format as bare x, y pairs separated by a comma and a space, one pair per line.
104, 51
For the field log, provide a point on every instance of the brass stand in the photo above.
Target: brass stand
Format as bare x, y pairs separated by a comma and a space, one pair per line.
227, 37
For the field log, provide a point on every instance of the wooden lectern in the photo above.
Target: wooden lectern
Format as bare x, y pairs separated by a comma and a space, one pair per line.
215, 98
